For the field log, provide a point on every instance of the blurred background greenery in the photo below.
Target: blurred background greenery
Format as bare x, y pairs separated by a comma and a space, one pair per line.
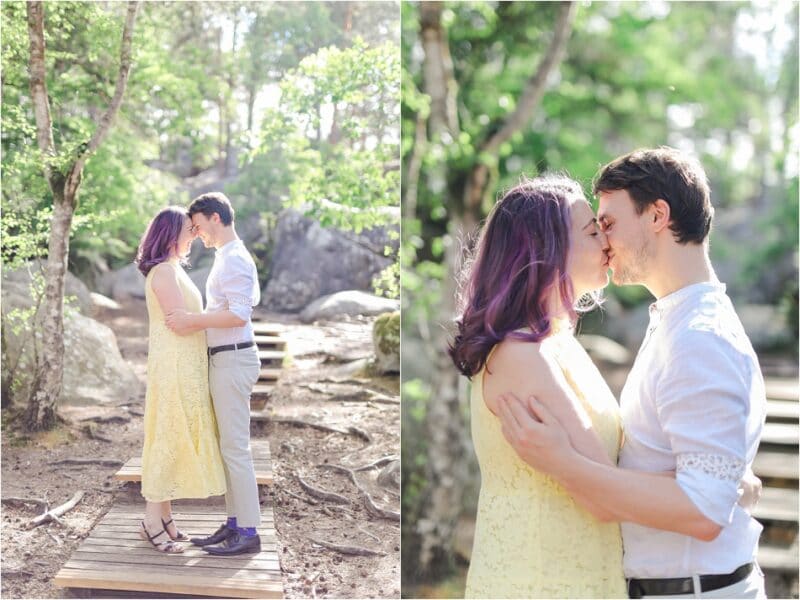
718, 80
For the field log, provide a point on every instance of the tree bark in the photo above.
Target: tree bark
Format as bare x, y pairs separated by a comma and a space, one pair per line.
437, 71
64, 183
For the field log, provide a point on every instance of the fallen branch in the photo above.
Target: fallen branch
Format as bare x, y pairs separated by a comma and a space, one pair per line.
105, 462
360, 433
369, 503
302, 423
111, 419
350, 550
322, 494
40, 504
54, 514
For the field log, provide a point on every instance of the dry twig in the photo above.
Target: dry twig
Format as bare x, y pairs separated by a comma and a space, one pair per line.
105, 462
54, 514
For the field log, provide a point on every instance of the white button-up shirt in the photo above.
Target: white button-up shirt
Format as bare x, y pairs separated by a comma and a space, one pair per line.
232, 285
694, 402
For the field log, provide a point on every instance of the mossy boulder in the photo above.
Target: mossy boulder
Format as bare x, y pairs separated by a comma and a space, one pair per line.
386, 340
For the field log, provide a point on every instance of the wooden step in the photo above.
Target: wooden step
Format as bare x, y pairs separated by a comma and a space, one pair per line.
113, 557
771, 463
269, 342
782, 388
782, 411
781, 433
258, 403
271, 356
777, 504
268, 374
264, 328
778, 558
262, 389
132, 470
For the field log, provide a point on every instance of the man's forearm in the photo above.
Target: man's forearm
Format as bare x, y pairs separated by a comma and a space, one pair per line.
223, 319
647, 499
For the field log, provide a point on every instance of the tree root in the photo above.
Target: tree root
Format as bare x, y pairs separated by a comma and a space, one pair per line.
40, 504
322, 494
327, 428
105, 462
111, 419
349, 550
310, 501
372, 508
54, 514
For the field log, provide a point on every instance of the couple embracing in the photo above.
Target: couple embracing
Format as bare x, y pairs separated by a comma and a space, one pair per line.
570, 478
201, 368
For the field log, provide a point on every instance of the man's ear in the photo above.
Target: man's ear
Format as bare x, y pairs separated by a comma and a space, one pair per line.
660, 215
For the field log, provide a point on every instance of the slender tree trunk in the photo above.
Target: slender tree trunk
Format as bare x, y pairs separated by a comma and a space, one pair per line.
479, 179
48, 383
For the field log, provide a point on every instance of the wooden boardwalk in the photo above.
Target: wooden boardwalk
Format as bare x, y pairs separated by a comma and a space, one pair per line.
262, 461
114, 557
777, 465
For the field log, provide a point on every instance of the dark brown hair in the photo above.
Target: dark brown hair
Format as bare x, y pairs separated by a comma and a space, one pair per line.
213, 202
667, 174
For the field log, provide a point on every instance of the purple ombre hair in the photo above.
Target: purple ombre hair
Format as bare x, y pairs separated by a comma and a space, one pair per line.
520, 258
160, 238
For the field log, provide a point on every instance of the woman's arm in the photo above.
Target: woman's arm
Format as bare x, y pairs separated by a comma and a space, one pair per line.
522, 369
166, 288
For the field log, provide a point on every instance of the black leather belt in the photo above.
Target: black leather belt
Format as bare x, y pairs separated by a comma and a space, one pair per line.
639, 588
215, 349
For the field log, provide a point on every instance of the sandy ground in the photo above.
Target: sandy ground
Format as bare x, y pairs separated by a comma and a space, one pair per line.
323, 382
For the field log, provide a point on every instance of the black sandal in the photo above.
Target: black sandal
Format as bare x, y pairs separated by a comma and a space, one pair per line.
180, 537
169, 547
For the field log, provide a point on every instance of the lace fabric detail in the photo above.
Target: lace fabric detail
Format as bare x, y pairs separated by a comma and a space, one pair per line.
180, 456
717, 466
531, 539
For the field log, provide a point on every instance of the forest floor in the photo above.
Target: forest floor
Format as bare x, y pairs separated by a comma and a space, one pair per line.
323, 382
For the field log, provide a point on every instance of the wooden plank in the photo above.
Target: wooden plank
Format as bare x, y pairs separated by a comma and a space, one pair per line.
783, 410
263, 328
269, 374
263, 389
258, 402
781, 433
777, 504
271, 355
125, 562
782, 388
132, 469
270, 341
770, 463
778, 558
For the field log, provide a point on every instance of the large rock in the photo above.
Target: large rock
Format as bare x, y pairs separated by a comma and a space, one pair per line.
122, 284
765, 325
310, 261
17, 283
350, 303
94, 370
386, 342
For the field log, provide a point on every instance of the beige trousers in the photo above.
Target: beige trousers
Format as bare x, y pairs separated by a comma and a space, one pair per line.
231, 376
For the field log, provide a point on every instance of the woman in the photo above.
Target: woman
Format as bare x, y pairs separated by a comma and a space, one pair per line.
539, 253
181, 457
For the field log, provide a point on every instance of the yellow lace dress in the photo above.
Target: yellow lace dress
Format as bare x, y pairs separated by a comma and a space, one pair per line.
531, 539
181, 457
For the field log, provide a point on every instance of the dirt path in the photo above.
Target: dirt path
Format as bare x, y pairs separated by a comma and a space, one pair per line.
323, 383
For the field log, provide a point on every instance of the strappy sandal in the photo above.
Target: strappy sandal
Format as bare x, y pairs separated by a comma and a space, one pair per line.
167, 547
180, 536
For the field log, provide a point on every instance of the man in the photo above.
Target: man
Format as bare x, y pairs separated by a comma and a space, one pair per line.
693, 404
231, 292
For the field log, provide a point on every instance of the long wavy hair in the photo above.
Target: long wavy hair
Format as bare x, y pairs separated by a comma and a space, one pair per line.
519, 260
160, 237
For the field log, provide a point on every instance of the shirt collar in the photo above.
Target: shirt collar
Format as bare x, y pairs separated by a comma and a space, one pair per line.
684, 294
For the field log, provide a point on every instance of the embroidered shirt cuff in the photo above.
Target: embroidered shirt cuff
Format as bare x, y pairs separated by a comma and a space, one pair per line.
711, 482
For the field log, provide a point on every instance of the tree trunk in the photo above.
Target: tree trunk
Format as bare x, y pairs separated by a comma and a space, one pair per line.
41, 411
437, 71
479, 178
